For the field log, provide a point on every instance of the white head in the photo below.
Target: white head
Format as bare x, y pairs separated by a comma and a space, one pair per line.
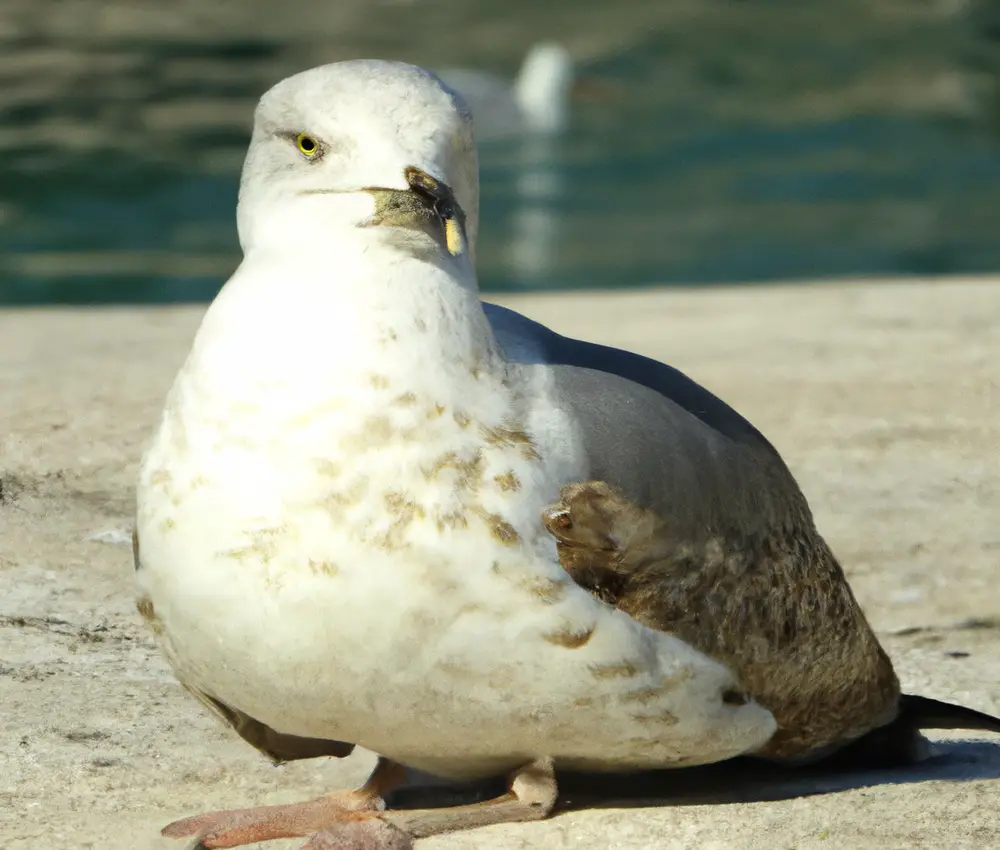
323, 139
543, 86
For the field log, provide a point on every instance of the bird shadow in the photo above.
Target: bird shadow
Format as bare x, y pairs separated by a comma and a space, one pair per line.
741, 780
747, 780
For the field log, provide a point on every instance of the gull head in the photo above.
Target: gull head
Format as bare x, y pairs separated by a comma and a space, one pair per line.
377, 146
543, 86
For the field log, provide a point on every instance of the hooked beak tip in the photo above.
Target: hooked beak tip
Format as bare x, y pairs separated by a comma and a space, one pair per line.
428, 204
441, 199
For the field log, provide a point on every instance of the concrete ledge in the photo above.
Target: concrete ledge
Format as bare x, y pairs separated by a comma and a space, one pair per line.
884, 398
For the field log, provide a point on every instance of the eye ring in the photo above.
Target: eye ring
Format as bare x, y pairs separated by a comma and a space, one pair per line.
307, 145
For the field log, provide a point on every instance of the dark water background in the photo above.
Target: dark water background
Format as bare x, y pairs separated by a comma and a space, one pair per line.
721, 141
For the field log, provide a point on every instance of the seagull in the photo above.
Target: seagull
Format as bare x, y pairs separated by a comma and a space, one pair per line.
338, 536
378, 511
537, 101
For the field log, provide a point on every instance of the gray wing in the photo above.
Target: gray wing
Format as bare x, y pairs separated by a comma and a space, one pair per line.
667, 443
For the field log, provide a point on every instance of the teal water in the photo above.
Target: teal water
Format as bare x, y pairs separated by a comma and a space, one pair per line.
641, 189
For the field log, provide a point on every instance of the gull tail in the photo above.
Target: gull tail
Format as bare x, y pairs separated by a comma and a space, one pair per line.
899, 743
926, 713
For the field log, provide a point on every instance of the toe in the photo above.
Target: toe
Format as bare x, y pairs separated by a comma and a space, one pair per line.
232, 828
263, 823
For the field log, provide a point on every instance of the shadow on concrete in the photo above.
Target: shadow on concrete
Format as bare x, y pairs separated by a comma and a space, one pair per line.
747, 780
741, 780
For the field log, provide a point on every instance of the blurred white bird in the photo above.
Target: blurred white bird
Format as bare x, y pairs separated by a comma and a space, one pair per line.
537, 101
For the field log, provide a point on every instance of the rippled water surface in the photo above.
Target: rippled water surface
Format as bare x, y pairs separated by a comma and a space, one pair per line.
731, 144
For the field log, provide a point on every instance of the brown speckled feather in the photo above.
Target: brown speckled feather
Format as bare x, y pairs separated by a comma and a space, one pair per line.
774, 606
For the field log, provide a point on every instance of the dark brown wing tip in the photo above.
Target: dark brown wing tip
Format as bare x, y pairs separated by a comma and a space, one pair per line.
277, 746
927, 713
285, 748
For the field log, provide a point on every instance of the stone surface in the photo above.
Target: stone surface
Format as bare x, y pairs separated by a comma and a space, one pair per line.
883, 397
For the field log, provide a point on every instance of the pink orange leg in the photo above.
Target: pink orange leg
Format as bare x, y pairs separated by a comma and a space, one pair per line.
532, 796
262, 823
356, 820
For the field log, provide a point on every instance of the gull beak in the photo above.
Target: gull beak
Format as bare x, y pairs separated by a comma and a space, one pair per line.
428, 205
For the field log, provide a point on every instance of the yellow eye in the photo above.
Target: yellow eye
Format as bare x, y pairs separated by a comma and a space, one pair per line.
307, 145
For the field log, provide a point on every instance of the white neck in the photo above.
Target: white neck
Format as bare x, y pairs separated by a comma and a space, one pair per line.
351, 313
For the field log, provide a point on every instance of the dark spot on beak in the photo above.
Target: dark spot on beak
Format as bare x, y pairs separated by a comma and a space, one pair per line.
437, 195
441, 199
428, 205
